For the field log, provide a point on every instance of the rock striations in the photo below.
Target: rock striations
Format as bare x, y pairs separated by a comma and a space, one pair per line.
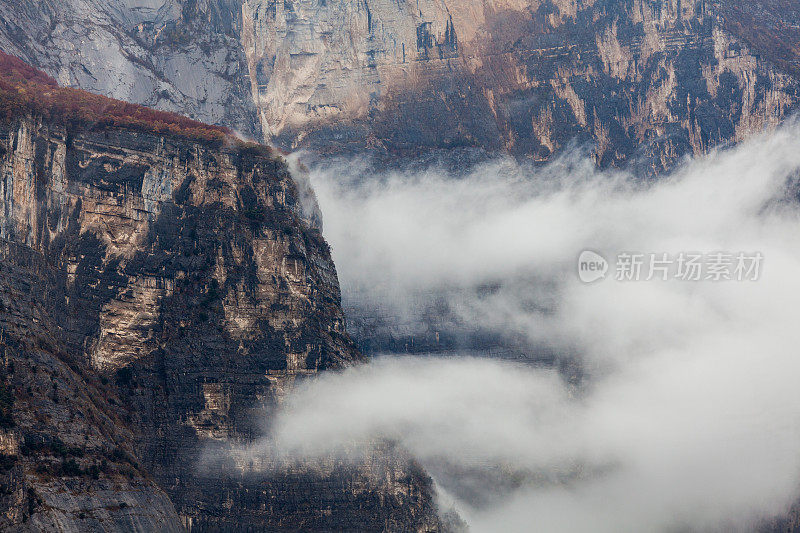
644, 80
158, 293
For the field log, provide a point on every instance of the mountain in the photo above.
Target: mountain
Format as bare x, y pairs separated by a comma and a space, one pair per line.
643, 80
162, 285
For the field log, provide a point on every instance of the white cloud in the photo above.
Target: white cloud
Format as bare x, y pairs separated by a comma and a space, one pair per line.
690, 413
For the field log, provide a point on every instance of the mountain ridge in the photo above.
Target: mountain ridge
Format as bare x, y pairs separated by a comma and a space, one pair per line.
644, 82
159, 296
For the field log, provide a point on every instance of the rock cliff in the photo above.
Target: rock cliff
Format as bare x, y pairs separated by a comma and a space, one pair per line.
158, 294
640, 79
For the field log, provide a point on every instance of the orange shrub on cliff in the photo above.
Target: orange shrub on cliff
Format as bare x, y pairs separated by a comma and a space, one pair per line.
24, 89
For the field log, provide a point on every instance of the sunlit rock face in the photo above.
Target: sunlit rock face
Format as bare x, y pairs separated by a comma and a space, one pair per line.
158, 296
641, 80
652, 80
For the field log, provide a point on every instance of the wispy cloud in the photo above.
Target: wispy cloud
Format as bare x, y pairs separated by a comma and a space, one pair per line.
690, 413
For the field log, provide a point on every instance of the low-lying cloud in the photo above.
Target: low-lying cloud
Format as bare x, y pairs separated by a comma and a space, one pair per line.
688, 416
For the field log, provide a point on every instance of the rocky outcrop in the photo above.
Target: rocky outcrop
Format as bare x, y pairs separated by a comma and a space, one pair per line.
158, 295
640, 79
66, 461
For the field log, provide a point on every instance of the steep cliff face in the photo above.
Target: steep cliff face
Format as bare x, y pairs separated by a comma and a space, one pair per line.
66, 460
646, 80
770, 26
650, 80
158, 295
182, 56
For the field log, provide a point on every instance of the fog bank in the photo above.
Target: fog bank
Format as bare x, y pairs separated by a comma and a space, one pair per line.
689, 413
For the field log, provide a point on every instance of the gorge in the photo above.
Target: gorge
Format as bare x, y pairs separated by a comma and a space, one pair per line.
178, 354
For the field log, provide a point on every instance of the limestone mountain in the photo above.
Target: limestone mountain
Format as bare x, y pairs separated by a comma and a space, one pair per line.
162, 284
640, 79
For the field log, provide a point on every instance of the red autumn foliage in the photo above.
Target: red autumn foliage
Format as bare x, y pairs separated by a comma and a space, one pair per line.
11, 67
24, 90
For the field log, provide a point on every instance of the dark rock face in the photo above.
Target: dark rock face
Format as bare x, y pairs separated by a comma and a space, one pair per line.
65, 442
772, 27
158, 298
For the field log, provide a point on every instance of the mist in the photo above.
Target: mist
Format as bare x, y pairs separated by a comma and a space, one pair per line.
687, 412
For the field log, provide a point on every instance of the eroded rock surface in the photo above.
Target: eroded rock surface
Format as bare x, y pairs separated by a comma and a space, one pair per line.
157, 297
639, 79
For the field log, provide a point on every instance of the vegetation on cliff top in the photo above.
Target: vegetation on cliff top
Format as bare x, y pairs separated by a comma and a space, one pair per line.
24, 90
